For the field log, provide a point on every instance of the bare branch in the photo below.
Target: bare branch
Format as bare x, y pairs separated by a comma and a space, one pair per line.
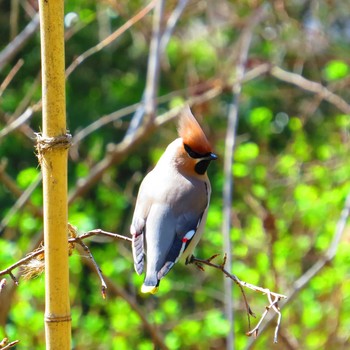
311, 86
230, 141
107, 41
4, 344
38, 254
272, 304
115, 289
171, 23
18, 42
97, 268
147, 106
153, 61
304, 280
71, 240
117, 152
11, 75
22, 201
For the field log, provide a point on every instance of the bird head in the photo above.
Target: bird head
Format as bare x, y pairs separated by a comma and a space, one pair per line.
196, 151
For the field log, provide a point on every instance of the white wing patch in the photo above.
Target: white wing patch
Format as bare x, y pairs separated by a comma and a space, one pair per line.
188, 236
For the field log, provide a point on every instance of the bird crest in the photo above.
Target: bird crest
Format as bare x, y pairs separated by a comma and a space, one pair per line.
192, 134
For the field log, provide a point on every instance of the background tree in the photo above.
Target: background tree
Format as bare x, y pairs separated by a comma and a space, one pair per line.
290, 170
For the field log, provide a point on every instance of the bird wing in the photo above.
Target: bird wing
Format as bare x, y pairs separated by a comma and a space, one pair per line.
137, 232
186, 229
138, 224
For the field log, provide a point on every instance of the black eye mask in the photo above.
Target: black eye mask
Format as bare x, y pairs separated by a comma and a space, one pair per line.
194, 154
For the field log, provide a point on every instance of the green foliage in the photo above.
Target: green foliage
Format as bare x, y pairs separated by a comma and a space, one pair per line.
291, 174
335, 69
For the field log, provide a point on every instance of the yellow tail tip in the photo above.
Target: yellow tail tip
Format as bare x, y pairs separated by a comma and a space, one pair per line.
149, 289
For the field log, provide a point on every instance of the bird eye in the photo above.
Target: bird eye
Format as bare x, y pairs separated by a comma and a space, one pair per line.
192, 153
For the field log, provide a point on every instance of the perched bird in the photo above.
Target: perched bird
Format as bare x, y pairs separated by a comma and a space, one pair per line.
172, 204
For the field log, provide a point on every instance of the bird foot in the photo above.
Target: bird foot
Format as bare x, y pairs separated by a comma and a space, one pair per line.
193, 260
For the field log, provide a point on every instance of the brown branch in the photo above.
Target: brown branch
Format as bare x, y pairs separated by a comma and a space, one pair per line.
304, 280
311, 86
244, 43
93, 261
110, 38
4, 344
38, 254
71, 240
117, 152
272, 303
14, 70
18, 42
116, 290
23, 200
156, 337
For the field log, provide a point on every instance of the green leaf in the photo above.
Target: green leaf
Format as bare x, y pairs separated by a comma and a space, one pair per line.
27, 177
246, 151
260, 116
335, 69
240, 170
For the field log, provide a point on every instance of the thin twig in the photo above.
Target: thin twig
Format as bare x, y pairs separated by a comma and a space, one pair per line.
18, 42
311, 86
171, 24
230, 141
115, 289
97, 268
23, 261
21, 201
147, 106
78, 240
97, 232
153, 68
117, 152
14, 70
154, 333
272, 304
255, 330
304, 280
112, 37
17, 122
5, 345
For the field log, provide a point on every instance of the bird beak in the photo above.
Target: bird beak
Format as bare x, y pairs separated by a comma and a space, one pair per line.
212, 156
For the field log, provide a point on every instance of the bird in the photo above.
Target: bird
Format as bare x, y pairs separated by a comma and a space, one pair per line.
172, 204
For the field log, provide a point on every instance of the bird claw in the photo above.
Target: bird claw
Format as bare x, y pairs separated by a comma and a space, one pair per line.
189, 260
199, 266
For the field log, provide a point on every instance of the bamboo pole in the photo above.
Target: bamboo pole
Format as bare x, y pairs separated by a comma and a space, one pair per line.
52, 150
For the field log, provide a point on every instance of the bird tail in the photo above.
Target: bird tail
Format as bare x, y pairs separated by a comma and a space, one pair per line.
149, 289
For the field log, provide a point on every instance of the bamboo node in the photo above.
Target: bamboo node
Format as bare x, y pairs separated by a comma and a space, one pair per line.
44, 144
57, 319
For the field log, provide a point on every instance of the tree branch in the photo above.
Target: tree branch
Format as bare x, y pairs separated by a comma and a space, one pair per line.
230, 141
4, 344
107, 41
18, 42
311, 86
31, 269
304, 280
242, 284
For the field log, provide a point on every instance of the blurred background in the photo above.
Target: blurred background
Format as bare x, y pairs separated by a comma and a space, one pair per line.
284, 67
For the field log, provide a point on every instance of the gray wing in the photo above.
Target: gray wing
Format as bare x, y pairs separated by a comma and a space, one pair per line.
186, 230
138, 225
137, 232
